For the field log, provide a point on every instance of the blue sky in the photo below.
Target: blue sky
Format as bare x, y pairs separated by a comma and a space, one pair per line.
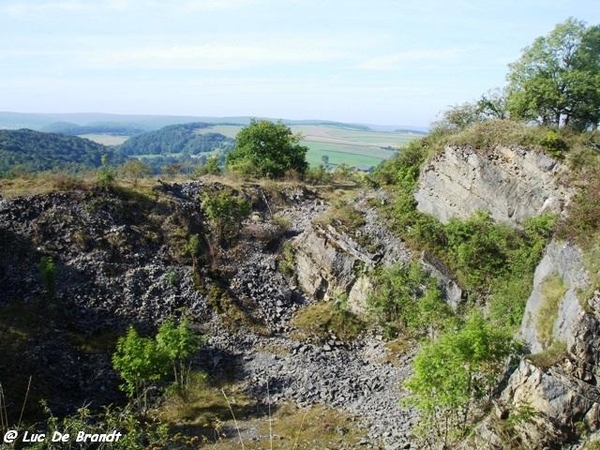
379, 61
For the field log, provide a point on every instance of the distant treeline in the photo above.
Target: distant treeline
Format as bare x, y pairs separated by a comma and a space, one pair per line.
33, 151
180, 139
73, 129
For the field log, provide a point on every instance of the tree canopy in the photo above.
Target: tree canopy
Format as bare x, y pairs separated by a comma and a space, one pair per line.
556, 82
187, 138
267, 149
31, 151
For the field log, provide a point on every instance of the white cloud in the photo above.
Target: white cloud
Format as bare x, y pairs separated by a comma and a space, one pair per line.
399, 59
216, 55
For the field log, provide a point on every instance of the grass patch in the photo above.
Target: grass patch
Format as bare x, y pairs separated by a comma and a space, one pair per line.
320, 319
202, 404
553, 290
486, 135
286, 261
554, 354
316, 427
43, 183
343, 217
203, 416
397, 348
234, 314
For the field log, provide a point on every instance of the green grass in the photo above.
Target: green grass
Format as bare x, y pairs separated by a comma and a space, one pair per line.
552, 355
204, 417
553, 290
319, 319
342, 154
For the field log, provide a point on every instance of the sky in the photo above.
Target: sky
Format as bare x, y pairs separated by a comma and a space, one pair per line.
386, 62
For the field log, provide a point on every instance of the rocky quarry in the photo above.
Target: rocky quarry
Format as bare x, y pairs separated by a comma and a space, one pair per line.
121, 260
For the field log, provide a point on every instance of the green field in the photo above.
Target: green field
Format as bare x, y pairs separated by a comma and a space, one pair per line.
341, 145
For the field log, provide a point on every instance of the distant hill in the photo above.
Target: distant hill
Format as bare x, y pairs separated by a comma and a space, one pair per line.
47, 122
183, 138
30, 151
110, 128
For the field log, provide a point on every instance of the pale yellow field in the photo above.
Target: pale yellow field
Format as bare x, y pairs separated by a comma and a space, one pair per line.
105, 139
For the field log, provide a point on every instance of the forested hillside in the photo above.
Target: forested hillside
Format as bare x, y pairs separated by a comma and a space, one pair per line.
31, 151
183, 138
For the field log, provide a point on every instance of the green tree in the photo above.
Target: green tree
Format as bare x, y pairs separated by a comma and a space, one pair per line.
267, 149
557, 79
459, 117
492, 105
135, 169
178, 344
193, 247
454, 373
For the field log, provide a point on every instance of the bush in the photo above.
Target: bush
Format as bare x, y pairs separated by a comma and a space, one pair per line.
141, 361
453, 375
553, 142
406, 299
47, 270
318, 175
225, 212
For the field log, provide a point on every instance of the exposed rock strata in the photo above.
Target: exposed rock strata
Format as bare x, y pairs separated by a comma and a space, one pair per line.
512, 184
566, 392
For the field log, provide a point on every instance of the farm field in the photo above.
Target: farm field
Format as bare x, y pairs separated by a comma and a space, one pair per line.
105, 139
341, 145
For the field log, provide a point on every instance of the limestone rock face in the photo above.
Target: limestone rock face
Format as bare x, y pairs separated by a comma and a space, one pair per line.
565, 392
512, 184
565, 261
561, 398
329, 263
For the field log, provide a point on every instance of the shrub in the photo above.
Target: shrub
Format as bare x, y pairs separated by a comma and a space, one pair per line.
225, 212
453, 374
135, 169
178, 343
285, 261
406, 299
554, 144
47, 270
139, 362
318, 175
106, 175
193, 248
